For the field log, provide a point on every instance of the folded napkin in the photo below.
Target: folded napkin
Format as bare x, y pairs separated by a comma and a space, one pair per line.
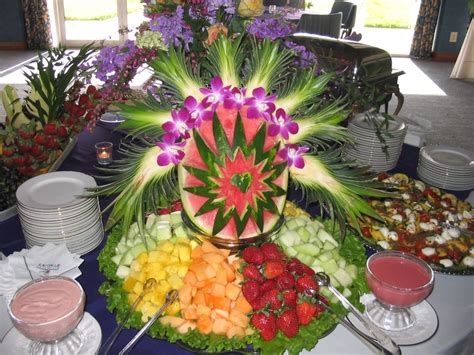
21, 267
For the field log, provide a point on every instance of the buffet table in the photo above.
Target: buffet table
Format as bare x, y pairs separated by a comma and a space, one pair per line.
452, 297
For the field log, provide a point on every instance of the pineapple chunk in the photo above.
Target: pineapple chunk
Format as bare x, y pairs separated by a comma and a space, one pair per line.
158, 274
158, 256
136, 266
175, 282
173, 308
163, 286
140, 276
152, 267
166, 246
182, 270
184, 252
138, 288
175, 251
158, 298
129, 284
142, 259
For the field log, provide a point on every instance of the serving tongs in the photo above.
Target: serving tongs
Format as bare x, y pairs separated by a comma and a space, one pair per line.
378, 338
171, 296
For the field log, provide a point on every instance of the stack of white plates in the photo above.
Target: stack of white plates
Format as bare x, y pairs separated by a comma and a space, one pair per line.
450, 168
368, 149
52, 209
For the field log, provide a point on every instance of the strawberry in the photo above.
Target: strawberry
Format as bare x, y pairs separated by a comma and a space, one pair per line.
272, 298
257, 304
294, 265
40, 138
252, 255
84, 100
305, 312
24, 146
62, 131
80, 111
163, 211
250, 290
271, 251
97, 95
273, 269
49, 128
36, 150
288, 323
26, 132
266, 323
290, 297
8, 151
91, 89
90, 115
251, 272
286, 280
306, 270
307, 285
268, 285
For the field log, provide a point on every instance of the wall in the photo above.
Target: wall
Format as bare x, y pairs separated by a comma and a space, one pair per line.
12, 25
454, 17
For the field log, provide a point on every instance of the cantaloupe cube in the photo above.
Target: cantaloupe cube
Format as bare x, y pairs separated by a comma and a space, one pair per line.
204, 283
203, 310
129, 283
138, 288
196, 253
204, 324
220, 302
199, 268
190, 312
239, 278
190, 278
185, 294
229, 271
221, 276
213, 258
199, 298
220, 326
232, 291
142, 258
175, 281
218, 290
235, 331
242, 305
175, 322
220, 313
238, 318
210, 272
173, 308
186, 327
208, 247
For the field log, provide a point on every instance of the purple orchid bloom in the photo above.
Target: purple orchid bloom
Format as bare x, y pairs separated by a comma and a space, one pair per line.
216, 93
197, 110
235, 99
172, 152
282, 124
180, 125
293, 154
260, 104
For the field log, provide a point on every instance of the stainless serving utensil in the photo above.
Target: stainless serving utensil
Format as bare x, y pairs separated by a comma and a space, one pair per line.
107, 345
380, 339
171, 296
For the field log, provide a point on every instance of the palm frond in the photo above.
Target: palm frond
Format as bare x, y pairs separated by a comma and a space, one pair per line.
268, 66
141, 184
337, 187
225, 58
175, 72
303, 89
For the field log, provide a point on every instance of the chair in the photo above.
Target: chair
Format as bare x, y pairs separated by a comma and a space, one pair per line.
349, 11
324, 25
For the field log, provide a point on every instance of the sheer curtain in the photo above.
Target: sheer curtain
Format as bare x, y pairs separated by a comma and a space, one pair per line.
423, 36
37, 25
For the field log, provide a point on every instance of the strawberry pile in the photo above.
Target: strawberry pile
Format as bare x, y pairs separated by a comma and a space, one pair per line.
281, 291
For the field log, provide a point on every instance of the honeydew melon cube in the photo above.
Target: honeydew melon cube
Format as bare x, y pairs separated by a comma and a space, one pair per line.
283, 228
289, 238
324, 291
162, 232
121, 248
179, 232
307, 248
304, 234
330, 266
130, 242
325, 236
302, 221
352, 270
312, 230
150, 221
328, 246
342, 277
116, 259
334, 281
127, 259
133, 231
163, 218
342, 263
122, 271
317, 262
175, 218
346, 292
306, 259
335, 254
317, 268
150, 244
138, 249
291, 252
291, 223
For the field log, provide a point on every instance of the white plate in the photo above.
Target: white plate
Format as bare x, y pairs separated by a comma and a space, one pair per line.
425, 326
449, 157
55, 190
362, 123
15, 343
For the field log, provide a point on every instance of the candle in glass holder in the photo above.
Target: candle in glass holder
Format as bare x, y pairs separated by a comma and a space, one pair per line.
104, 152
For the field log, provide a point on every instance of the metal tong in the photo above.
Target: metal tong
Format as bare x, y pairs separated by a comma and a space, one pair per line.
380, 340
171, 296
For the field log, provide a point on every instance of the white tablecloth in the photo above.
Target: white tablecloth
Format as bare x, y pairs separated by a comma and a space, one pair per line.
453, 300
464, 67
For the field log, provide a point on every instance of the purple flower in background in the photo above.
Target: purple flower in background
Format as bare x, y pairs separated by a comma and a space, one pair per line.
212, 6
111, 60
293, 154
305, 58
282, 124
235, 99
173, 28
197, 110
216, 93
172, 152
180, 125
269, 27
260, 104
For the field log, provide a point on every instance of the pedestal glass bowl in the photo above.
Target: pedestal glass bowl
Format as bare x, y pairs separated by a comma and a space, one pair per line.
47, 311
399, 281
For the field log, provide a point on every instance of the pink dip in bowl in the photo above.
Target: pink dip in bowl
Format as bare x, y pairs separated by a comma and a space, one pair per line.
48, 309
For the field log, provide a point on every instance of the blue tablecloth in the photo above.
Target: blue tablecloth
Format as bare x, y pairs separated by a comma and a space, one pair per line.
83, 159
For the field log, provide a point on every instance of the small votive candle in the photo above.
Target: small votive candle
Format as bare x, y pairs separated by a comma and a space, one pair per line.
104, 152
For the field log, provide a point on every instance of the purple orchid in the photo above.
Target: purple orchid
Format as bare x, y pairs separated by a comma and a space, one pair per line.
172, 152
216, 93
293, 154
235, 99
282, 124
260, 104
198, 110
180, 125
